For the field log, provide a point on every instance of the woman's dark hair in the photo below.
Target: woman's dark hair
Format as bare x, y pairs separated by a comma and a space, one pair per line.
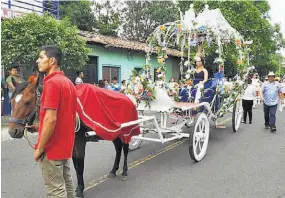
249, 81
123, 82
101, 83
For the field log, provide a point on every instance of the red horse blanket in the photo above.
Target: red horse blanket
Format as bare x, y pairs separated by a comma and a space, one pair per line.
104, 111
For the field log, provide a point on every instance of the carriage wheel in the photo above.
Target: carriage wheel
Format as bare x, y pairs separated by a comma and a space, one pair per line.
199, 137
135, 143
237, 115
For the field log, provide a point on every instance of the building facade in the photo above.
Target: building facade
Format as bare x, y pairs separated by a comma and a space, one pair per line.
114, 57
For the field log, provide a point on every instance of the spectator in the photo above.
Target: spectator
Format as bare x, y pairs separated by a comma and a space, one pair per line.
12, 80
172, 83
123, 86
115, 85
269, 94
247, 101
106, 85
101, 83
79, 77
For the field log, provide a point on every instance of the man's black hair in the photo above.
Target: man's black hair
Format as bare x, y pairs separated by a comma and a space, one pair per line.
53, 51
78, 73
13, 67
114, 78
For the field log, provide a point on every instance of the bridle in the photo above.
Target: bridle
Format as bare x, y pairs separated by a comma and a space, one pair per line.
32, 115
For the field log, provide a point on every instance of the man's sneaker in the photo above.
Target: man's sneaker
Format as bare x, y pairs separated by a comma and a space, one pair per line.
267, 127
273, 128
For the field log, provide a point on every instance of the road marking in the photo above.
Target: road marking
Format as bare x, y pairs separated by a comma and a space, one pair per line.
136, 163
224, 121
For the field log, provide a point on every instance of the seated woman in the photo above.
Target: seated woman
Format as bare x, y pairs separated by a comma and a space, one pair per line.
201, 74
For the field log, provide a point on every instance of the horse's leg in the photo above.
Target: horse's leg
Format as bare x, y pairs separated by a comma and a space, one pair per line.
78, 160
118, 146
125, 168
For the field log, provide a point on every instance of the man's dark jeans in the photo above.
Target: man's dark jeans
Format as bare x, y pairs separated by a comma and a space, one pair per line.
270, 114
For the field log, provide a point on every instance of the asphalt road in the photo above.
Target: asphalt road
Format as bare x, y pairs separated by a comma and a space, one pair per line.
249, 163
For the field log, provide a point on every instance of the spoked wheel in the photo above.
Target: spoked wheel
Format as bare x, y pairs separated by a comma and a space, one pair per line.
237, 115
135, 143
199, 137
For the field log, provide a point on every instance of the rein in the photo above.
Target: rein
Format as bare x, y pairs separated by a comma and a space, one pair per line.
29, 118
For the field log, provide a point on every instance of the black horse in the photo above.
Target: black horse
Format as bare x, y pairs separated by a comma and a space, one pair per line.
25, 111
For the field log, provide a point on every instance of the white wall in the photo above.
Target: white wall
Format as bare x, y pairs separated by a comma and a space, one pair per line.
20, 6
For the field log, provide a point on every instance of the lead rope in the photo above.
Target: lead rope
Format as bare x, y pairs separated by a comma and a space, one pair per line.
27, 138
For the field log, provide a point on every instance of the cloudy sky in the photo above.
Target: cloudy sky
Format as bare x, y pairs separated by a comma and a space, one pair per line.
277, 14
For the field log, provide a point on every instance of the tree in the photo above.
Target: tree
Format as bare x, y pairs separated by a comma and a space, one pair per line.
139, 19
251, 19
21, 38
107, 17
79, 13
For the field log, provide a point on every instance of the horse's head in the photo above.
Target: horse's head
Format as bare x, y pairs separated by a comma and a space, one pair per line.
25, 104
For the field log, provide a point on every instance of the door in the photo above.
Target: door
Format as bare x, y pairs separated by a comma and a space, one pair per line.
91, 71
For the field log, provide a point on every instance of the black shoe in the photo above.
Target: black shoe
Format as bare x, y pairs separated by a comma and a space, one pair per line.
249, 122
273, 128
267, 127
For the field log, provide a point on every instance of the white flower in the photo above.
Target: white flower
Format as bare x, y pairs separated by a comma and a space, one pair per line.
187, 63
187, 76
138, 79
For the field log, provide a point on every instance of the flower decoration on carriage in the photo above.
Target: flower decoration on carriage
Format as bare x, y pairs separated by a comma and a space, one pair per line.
141, 86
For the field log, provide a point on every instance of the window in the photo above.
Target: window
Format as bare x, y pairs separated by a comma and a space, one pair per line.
110, 71
139, 69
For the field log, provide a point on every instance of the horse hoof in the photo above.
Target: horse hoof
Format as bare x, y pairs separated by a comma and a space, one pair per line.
123, 177
111, 175
79, 194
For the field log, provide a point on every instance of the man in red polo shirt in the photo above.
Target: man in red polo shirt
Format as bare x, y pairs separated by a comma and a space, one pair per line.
56, 128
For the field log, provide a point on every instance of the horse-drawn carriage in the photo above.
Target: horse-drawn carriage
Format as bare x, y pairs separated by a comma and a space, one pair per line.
207, 102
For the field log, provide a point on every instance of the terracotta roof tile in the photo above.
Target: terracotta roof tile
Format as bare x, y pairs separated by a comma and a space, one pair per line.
116, 42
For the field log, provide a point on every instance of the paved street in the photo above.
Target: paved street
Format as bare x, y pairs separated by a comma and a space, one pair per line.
249, 163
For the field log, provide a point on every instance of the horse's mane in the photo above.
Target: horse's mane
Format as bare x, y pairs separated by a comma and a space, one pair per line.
19, 88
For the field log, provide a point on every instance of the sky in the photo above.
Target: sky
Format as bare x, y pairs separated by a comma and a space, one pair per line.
277, 14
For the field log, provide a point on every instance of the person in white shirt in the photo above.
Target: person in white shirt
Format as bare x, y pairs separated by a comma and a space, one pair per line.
247, 101
79, 80
256, 83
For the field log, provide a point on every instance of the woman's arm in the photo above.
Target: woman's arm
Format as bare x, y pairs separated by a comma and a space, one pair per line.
205, 75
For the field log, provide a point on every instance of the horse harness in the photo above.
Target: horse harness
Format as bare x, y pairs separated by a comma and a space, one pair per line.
35, 111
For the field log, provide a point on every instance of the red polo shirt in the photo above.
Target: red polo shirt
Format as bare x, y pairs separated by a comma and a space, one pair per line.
59, 94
